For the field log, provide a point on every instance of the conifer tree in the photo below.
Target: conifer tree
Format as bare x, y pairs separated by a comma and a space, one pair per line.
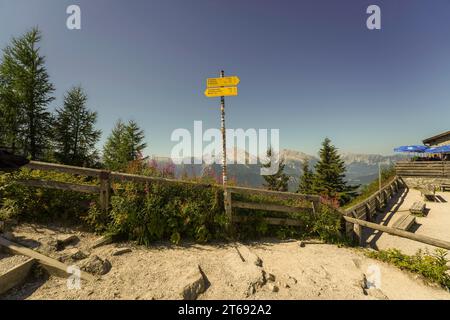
329, 178
75, 134
306, 180
124, 144
279, 180
26, 92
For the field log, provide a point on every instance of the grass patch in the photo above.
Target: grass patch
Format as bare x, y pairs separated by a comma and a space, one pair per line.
432, 266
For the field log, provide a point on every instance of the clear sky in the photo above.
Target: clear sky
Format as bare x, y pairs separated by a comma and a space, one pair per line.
309, 68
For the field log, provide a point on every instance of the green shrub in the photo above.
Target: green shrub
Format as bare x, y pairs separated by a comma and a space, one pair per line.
432, 266
41, 204
149, 212
158, 211
325, 224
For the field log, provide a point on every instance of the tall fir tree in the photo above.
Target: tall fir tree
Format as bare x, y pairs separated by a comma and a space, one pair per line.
124, 144
329, 178
26, 92
135, 140
75, 134
279, 180
305, 185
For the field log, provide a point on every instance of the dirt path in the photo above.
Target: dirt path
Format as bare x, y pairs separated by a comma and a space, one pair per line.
265, 270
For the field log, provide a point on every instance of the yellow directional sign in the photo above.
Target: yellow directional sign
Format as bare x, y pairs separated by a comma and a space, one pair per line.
222, 82
221, 92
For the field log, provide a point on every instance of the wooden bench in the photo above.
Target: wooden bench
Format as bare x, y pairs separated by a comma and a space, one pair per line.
445, 186
404, 222
418, 208
427, 194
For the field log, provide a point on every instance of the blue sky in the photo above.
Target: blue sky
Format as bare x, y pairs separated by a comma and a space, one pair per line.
309, 68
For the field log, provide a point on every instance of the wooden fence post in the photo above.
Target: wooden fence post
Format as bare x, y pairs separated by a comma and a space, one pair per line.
228, 207
105, 186
378, 203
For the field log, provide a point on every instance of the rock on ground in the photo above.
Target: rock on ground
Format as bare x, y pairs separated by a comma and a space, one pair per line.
96, 265
194, 283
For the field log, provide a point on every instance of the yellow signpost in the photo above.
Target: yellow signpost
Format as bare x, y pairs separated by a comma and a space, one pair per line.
223, 87
221, 92
222, 82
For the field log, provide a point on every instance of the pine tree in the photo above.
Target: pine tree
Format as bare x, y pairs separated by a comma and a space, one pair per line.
26, 92
75, 135
124, 144
279, 180
329, 178
135, 137
306, 180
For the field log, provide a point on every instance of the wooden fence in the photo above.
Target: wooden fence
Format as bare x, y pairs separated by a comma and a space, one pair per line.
361, 216
366, 209
356, 217
312, 200
104, 188
433, 169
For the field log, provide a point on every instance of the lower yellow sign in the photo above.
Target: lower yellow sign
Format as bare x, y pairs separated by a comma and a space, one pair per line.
221, 92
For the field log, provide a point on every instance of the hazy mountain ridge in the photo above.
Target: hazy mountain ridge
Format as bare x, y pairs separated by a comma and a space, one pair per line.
361, 168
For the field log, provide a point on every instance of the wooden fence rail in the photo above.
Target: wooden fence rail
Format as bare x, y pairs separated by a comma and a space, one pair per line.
230, 203
356, 217
366, 209
106, 177
400, 233
436, 169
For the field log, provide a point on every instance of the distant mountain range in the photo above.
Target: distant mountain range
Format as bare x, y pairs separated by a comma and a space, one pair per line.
361, 168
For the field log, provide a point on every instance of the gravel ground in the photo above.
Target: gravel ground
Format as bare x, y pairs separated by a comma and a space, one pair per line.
268, 269
8, 261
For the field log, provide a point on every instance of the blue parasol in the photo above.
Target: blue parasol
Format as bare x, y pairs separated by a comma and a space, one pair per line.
441, 149
414, 148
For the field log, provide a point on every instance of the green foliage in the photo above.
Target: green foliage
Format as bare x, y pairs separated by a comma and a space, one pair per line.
124, 144
306, 179
41, 204
432, 266
330, 174
387, 174
325, 224
74, 131
26, 92
279, 180
159, 211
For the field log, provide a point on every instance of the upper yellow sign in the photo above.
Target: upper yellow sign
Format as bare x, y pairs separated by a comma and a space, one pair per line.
222, 82
221, 92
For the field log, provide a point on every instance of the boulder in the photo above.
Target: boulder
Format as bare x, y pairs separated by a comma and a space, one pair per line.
73, 254
96, 265
193, 284
48, 245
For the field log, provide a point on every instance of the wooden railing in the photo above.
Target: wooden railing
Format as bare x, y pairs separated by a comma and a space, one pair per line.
104, 177
312, 200
355, 217
366, 209
438, 169
104, 188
